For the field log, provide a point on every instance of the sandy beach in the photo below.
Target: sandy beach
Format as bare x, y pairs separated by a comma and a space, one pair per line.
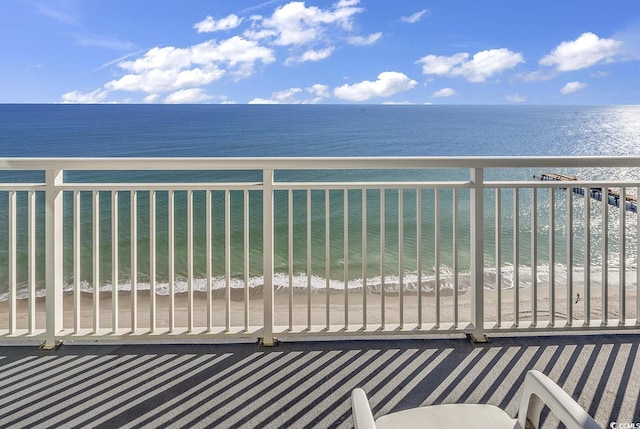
238, 310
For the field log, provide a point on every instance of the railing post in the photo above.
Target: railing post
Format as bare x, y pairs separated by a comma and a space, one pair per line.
267, 249
53, 251
477, 255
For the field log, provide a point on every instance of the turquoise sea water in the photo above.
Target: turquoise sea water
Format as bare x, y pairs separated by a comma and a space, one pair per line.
283, 131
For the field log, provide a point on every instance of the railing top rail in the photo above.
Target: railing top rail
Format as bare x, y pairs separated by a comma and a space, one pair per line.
309, 163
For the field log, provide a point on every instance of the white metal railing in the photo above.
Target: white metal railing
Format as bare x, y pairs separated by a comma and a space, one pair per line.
267, 248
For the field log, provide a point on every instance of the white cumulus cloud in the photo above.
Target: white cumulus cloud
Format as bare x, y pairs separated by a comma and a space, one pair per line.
186, 96
572, 87
77, 97
296, 24
387, 84
479, 68
348, 3
287, 96
304, 33
444, 92
151, 98
586, 51
263, 101
313, 55
319, 90
166, 69
158, 81
309, 32
232, 52
158, 59
441, 65
412, 19
364, 41
210, 25
485, 64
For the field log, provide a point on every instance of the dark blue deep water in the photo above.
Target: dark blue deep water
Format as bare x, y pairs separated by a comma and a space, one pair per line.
316, 130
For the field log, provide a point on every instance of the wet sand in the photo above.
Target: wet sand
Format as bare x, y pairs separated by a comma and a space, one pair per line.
241, 312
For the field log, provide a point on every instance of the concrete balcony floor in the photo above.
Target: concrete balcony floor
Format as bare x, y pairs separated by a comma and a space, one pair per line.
305, 384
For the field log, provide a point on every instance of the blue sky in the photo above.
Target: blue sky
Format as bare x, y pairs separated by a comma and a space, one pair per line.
342, 51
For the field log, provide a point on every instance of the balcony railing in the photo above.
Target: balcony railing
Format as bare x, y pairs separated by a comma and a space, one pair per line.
268, 248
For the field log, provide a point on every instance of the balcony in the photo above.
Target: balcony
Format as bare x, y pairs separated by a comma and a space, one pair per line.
159, 271
306, 384
291, 248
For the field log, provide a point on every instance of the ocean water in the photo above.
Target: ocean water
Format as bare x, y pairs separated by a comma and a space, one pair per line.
306, 131
316, 130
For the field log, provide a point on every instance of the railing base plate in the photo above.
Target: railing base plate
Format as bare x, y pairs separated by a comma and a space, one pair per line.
55, 346
483, 338
268, 342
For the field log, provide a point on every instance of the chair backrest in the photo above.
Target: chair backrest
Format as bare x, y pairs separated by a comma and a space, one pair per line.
538, 391
362, 415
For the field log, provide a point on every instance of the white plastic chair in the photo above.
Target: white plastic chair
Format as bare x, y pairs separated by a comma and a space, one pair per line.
538, 391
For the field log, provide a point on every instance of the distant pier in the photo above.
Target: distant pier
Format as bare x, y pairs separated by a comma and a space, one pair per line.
613, 197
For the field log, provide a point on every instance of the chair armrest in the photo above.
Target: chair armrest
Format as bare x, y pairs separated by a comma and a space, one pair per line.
538, 391
362, 415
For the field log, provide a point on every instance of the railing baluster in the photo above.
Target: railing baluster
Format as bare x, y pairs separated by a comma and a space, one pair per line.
382, 259
227, 259
477, 252
114, 263
455, 258
309, 278
267, 263
32, 262
290, 254
96, 261
246, 260
190, 261
13, 268
401, 254
436, 252
346, 258
605, 256
364, 259
534, 256
516, 257
419, 253
569, 256
623, 255
587, 255
498, 256
53, 256
171, 258
152, 261
134, 261
327, 256
209, 267
76, 262
552, 256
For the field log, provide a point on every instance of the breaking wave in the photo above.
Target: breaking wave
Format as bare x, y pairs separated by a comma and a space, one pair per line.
301, 283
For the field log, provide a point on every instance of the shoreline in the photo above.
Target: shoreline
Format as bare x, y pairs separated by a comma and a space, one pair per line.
301, 282
236, 309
